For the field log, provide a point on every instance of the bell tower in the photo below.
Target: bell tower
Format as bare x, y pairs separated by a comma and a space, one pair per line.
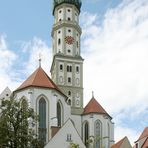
67, 64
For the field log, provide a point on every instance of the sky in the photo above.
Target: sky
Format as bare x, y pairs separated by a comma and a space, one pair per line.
114, 44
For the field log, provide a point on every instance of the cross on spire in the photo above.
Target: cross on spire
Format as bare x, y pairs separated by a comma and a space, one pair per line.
92, 94
40, 59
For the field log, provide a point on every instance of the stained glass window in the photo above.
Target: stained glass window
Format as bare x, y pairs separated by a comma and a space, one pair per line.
42, 120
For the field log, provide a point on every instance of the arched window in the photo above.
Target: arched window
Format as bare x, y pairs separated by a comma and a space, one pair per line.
98, 134
24, 104
59, 41
108, 135
42, 120
86, 133
59, 114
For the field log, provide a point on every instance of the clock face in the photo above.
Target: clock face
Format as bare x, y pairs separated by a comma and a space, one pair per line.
69, 40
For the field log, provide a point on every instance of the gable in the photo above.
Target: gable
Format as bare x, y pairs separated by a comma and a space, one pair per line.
66, 135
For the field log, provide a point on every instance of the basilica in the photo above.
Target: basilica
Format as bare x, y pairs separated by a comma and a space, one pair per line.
59, 100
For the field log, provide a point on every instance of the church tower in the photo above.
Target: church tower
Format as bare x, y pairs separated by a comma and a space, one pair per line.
67, 64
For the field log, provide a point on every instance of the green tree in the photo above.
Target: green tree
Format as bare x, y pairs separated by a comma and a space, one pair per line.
16, 125
74, 145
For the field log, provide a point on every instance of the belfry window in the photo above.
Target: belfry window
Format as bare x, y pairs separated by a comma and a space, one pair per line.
69, 18
69, 68
61, 67
42, 120
77, 69
59, 114
98, 133
69, 80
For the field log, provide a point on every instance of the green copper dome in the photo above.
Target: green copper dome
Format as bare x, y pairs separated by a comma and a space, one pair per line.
77, 3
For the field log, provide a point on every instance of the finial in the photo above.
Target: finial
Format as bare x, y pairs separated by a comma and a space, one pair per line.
40, 60
92, 94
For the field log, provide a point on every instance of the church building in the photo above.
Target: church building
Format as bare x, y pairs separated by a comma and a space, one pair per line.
58, 100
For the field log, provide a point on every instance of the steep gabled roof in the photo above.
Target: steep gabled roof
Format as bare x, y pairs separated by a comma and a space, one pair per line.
94, 107
38, 79
144, 134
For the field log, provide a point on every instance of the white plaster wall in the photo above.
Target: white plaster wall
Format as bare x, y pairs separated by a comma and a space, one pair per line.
60, 139
78, 123
52, 97
68, 14
76, 16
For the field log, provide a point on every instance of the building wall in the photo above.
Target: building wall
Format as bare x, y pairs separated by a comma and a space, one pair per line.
52, 97
66, 135
107, 138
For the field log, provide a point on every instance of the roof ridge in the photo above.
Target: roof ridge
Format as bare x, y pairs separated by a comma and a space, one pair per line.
37, 70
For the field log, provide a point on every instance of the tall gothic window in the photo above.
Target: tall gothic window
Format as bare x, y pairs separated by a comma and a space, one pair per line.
42, 120
98, 134
108, 135
59, 114
24, 104
86, 133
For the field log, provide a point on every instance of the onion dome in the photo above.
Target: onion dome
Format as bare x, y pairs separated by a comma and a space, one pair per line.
77, 3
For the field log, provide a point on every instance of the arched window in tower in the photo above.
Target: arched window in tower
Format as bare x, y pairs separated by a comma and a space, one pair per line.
59, 41
69, 18
59, 114
69, 93
86, 133
77, 69
98, 134
61, 67
42, 120
77, 44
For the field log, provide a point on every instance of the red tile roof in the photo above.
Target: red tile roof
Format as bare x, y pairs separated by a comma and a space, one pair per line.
145, 144
94, 107
119, 143
38, 79
144, 134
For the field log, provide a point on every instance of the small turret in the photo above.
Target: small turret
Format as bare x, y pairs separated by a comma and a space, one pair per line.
77, 3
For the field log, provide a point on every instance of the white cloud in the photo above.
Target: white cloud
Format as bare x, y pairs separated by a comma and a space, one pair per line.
34, 48
131, 134
116, 58
7, 57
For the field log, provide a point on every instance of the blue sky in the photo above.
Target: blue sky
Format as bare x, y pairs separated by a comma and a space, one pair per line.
114, 41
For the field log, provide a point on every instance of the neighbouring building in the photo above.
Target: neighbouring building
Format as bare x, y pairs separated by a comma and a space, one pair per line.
123, 143
142, 141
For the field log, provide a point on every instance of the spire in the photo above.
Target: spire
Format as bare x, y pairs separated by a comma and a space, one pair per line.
40, 60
